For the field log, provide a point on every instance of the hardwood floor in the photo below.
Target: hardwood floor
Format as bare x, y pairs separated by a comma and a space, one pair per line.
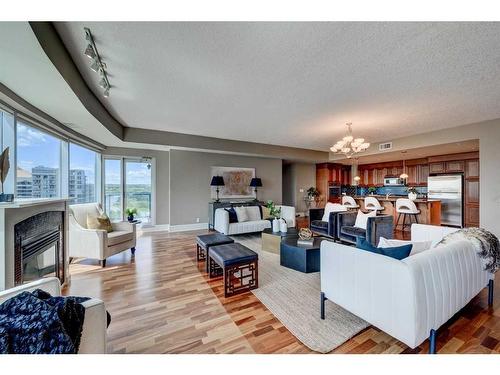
161, 301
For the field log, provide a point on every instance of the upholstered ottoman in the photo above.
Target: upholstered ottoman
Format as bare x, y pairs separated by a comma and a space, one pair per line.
240, 267
205, 241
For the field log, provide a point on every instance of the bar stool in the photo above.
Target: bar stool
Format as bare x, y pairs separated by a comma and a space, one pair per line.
372, 204
406, 207
349, 202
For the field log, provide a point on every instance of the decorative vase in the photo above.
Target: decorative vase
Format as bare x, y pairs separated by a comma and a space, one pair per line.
412, 196
276, 225
283, 226
130, 218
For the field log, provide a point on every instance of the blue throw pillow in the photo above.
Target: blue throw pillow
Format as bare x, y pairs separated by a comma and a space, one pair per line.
399, 252
232, 215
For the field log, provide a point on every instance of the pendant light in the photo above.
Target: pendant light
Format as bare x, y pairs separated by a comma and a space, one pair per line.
403, 175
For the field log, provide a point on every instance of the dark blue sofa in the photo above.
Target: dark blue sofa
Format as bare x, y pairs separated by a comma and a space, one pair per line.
377, 226
324, 228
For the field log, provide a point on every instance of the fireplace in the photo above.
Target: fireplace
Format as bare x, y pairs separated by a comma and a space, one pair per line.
39, 247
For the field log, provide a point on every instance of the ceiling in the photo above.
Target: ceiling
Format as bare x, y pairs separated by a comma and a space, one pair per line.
294, 84
417, 153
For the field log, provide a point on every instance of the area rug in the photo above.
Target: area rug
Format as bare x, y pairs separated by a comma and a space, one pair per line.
293, 298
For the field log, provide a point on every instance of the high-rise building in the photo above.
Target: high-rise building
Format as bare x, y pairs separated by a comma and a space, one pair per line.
45, 182
80, 190
24, 184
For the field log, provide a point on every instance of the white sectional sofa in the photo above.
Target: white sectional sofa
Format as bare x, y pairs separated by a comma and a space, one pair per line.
254, 224
409, 299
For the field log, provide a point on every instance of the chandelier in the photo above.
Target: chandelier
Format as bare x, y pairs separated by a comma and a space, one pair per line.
349, 145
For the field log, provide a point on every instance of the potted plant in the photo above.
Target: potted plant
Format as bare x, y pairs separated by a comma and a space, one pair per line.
312, 193
276, 213
130, 213
372, 190
412, 193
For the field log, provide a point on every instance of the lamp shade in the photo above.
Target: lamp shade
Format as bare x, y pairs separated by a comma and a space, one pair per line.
256, 182
217, 181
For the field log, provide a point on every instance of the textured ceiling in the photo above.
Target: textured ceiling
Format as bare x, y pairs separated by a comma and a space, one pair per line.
295, 84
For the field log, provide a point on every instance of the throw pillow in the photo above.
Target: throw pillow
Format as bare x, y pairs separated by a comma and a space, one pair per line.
362, 219
332, 207
266, 213
253, 213
232, 215
417, 246
241, 214
99, 222
398, 253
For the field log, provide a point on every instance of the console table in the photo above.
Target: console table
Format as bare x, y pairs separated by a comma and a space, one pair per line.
212, 206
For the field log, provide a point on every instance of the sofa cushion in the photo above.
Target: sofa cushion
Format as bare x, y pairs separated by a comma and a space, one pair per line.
353, 231
232, 215
417, 246
332, 207
249, 227
319, 224
119, 236
362, 219
398, 253
253, 213
101, 222
241, 213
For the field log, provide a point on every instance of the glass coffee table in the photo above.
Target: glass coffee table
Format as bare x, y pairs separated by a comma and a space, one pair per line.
271, 241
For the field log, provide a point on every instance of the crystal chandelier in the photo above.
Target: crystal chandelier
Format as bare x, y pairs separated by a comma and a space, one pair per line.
349, 145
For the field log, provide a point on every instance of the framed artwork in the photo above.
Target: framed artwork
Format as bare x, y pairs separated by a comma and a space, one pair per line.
236, 182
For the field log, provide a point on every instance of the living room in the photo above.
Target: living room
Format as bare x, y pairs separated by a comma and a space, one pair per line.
249, 187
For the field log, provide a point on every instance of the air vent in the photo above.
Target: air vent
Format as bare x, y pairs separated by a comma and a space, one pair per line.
385, 146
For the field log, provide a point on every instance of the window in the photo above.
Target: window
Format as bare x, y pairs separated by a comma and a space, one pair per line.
38, 163
113, 189
138, 188
82, 175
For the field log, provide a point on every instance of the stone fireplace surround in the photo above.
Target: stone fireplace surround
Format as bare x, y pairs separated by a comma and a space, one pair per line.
17, 212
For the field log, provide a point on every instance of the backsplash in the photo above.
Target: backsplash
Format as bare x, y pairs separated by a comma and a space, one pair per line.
382, 190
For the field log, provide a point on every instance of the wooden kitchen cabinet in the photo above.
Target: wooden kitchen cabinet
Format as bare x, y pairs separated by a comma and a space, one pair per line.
472, 169
437, 167
454, 166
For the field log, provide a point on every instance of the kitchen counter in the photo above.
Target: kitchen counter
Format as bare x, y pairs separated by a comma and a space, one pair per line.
430, 209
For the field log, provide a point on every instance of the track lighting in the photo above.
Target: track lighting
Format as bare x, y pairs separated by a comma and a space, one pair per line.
89, 52
97, 65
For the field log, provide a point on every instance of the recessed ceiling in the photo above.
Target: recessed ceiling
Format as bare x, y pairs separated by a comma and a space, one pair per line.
294, 84
417, 153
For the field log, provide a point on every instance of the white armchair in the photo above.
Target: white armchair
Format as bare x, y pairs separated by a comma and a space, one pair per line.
94, 243
94, 339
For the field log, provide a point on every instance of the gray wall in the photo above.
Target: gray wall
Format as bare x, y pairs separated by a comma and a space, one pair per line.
162, 177
190, 174
296, 177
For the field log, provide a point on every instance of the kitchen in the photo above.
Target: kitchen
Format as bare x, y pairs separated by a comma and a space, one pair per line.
447, 186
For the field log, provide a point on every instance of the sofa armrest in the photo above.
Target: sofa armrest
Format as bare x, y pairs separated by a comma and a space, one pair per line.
346, 219
316, 214
85, 243
124, 225
50, 285
94, 336
221, 221
379, 226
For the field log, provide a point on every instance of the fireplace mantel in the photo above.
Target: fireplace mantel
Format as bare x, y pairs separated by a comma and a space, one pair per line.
15, 212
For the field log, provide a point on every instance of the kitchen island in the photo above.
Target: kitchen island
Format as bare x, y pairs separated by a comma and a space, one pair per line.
430, 209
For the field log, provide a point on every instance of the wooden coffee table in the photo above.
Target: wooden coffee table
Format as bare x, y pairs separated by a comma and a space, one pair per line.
271, 241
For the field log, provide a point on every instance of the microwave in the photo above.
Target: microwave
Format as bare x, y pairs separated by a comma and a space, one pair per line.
393, 181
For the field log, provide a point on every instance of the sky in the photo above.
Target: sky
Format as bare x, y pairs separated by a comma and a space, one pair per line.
35, 148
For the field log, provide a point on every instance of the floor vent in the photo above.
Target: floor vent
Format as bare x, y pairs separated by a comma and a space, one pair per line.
385, 146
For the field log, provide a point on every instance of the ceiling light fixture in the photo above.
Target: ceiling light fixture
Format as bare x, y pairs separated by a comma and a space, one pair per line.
350, 145
97, 65
403, 175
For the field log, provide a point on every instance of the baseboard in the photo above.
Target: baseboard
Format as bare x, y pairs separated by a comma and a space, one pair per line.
156, 228
187, 227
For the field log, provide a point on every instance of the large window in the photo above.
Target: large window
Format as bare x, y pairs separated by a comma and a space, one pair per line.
38, 163
138, 188
82, 174
113, 189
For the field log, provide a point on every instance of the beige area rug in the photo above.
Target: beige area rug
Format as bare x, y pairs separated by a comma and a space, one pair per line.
294, 298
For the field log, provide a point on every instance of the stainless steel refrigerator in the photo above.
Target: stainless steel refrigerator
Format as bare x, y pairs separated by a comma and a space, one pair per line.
448, 189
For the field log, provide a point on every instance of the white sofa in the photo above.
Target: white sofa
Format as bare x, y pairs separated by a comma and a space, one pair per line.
409, 299
94, 243
93, 340
222, 225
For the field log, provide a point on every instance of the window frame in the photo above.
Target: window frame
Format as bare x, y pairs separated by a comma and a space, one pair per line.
97, 179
